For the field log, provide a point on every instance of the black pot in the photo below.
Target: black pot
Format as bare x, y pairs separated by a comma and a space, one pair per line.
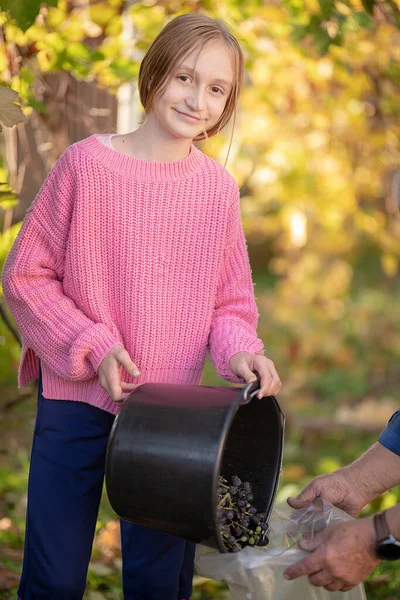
169, 444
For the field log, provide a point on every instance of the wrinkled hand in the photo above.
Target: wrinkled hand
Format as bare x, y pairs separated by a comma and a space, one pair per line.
244, 364
109, 374
341, 556
338, 487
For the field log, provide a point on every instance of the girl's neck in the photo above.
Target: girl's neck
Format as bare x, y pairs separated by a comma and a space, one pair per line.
149, 143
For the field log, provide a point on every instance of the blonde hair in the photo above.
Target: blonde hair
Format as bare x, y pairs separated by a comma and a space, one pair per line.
181, 36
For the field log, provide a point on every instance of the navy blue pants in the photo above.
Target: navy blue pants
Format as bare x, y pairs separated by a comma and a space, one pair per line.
64, 491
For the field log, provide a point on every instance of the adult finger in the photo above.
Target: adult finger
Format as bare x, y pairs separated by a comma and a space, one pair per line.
309, 544
335, 586
126, 361
322, 578
307, 566
346, 588
306, 496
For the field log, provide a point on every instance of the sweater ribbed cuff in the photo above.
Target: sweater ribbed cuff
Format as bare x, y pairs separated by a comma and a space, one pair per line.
104, 342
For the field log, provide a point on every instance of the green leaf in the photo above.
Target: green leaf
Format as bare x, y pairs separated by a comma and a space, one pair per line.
362, 19
394, 11
37, 105
394, 70
79, 52
24, 12
97, 56
368, 5
327, 8
124, 68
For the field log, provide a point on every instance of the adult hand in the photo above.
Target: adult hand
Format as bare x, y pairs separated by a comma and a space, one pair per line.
109, 373
244, 364
341, 488
340, 557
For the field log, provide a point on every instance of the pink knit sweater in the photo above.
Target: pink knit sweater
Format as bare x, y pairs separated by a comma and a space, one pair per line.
150, 255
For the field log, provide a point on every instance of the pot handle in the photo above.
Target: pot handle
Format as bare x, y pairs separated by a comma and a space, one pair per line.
250, 390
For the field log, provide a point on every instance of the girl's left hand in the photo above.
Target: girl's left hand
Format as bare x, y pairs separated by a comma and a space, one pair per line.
244, 364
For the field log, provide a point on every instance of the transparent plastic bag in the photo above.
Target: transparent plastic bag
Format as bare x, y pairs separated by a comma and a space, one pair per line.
257, 573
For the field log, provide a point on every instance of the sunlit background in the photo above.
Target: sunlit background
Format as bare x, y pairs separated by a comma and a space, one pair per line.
316, 153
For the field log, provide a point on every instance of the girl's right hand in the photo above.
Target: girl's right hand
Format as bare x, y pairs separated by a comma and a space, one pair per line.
109, 376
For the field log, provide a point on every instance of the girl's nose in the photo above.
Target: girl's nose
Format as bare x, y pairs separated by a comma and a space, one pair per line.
196, 101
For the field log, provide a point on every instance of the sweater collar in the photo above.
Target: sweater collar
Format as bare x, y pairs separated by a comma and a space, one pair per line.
144, 169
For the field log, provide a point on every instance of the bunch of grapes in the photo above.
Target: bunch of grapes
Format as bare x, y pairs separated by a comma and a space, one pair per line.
239, 522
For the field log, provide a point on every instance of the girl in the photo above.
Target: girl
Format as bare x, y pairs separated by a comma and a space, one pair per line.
130, 264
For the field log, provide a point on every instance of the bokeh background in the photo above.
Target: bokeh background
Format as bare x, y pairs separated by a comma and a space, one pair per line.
316, 153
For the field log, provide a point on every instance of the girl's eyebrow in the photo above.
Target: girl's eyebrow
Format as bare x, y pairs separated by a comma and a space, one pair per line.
220, 81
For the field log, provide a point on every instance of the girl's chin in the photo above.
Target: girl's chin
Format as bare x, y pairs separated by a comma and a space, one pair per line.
184, 133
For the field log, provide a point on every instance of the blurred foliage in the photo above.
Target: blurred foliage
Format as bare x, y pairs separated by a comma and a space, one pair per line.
316, 152
104, 578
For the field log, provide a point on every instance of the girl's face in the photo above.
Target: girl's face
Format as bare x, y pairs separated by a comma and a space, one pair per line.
195, 97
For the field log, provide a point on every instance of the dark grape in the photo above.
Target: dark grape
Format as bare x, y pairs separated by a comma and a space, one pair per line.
224, 529
262, 516
238, 521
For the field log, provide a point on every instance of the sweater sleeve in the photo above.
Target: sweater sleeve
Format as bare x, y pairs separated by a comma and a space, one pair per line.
234, 323
390, 437
51, 324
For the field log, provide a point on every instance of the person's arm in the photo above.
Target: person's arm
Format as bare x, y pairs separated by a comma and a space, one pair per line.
234, 323
393, 520
57, 331
353, 486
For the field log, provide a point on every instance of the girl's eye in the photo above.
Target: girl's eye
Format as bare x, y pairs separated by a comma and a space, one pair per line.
186, 79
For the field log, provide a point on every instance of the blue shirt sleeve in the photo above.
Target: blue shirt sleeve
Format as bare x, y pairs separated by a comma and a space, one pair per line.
390, 437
